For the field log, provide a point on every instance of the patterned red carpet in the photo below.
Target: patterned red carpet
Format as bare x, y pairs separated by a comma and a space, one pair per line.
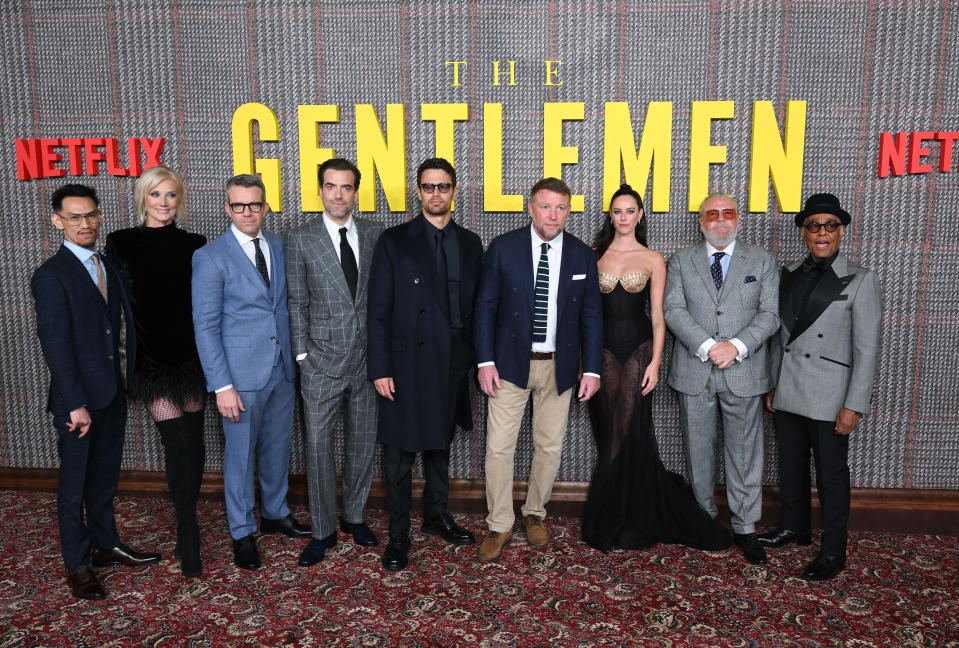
896, 591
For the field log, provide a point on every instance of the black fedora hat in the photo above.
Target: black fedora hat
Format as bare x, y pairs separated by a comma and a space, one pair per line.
822, 203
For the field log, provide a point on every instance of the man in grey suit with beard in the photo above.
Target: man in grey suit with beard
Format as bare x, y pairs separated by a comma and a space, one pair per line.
823, 363
721, 304
328, 267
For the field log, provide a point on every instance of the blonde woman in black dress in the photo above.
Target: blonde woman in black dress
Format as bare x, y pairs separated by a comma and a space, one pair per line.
634, 502
155, 258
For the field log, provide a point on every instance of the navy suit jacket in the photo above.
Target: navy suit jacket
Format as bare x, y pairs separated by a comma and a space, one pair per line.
503, 319
80, 334
241, 326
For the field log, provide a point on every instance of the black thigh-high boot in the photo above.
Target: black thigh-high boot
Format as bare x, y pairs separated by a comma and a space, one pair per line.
178, 451
197, 451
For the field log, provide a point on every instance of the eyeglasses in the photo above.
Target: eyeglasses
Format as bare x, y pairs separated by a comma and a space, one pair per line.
714, 214
429, 187
75, 219
815, 226
238, 208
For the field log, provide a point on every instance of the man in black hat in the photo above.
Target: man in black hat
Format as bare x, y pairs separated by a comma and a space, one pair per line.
823, 366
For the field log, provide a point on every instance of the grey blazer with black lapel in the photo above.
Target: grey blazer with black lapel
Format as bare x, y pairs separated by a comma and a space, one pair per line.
824, 357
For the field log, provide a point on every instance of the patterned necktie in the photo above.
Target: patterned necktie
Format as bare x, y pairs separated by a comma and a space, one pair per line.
261, 262
542, 296
716, 269
348, 263
101, 277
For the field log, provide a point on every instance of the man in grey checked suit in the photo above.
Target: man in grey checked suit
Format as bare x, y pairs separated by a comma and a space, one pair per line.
328, 267
721, 304
824, 363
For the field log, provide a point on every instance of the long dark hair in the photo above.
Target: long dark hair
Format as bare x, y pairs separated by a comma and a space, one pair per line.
607, 232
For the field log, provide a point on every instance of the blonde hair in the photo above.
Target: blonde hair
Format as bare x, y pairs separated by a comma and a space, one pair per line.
145, 184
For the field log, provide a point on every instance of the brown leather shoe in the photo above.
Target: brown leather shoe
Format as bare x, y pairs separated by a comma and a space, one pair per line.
123, 555
536, 533
492, 545
84, 584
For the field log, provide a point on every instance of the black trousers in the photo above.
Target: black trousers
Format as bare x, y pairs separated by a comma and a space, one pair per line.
398, 463
87, 481
797, 436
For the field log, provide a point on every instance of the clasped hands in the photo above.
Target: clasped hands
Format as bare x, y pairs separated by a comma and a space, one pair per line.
723, 354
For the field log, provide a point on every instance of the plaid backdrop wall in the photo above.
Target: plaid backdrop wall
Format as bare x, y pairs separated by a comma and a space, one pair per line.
179, 70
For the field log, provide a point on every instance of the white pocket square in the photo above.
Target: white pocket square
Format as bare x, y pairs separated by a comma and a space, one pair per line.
578, 277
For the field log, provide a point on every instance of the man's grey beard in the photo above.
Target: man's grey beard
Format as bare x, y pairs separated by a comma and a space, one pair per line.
720, 242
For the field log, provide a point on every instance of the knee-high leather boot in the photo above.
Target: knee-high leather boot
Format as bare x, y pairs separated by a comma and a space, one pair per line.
180, 467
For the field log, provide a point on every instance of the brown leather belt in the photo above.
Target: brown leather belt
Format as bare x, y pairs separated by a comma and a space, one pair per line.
536, 355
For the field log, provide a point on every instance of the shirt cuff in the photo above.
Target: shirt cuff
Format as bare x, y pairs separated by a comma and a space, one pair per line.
743, 351
485, 364
223, 389
300, 357
589, 373
703, 352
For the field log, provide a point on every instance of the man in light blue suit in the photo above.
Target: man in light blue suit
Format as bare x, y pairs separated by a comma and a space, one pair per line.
242, 331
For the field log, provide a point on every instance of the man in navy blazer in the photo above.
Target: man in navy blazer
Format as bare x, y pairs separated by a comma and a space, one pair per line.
80, 300
538, 322
242, 328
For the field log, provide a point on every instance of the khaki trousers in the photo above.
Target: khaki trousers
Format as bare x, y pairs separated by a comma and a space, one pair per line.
505, 413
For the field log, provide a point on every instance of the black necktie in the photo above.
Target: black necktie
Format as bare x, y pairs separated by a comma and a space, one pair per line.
716, 269
261, 262
442, 276
348, 263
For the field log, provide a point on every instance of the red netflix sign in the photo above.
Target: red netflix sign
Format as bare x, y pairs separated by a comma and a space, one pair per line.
38, 158
901, 153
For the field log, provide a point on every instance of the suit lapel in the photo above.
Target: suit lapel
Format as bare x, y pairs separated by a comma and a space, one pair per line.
562, 285
75, 268
826, 291
701, 263
246, 266
736, 272
367, 245
786, 280
526, 261
325, 252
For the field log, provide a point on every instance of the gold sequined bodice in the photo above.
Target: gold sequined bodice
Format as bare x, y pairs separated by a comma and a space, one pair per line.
634, 282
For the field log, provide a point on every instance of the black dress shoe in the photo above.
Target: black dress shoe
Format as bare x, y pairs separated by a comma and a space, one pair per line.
752, 550
395, 557
84, 584
288, 526
245, 555
362, 534
824, 568
123, 555
444, 526
315, 550
780, 537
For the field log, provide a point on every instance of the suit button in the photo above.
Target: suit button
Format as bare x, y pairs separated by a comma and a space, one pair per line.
807, 355
574, 299
422, 311
719, 312
514, 336
109, 357
514, 289
273, 337
416, 280
516, 314
108, 331
787, 349
420, 343
819, 335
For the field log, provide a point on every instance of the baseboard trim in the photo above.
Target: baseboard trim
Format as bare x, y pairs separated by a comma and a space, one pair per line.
890, 510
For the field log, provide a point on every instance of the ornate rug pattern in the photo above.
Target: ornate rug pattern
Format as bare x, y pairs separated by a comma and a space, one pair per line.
897, 590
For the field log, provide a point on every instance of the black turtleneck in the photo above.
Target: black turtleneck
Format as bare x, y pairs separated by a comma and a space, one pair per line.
806, 278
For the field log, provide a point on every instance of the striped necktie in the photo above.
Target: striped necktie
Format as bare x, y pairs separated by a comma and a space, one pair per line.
542, 296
